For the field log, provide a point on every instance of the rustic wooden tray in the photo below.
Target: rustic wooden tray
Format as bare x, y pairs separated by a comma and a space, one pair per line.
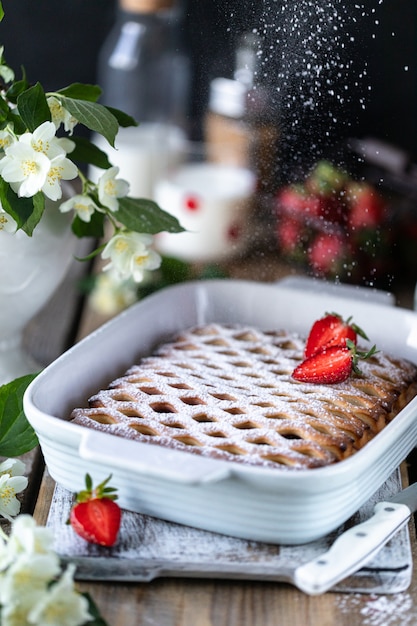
148, 548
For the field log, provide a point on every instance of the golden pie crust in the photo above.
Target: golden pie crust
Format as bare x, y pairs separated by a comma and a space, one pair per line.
226, 392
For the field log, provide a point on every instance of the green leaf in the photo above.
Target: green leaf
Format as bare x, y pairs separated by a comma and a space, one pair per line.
16, 434
86, 152
81, 91
33, 107
94, 228
18, 124
17, 88
94, 116
1, 12
26, 211
39, 207
97, 620
145, 216
123, 118
4, 110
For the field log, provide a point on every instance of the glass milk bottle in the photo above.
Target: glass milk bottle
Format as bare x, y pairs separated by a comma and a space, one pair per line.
143, 71
241, 128
241, 124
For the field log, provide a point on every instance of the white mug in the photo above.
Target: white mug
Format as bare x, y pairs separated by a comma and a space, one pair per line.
212, 202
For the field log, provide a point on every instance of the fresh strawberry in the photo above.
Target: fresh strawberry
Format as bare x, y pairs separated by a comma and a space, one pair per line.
289, 233
293, 200
96, 516
333, 365
331, 330
327, 254
366, 207
330, 366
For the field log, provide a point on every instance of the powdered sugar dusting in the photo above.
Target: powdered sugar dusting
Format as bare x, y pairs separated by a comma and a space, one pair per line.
149, 547
386, 610
227, 392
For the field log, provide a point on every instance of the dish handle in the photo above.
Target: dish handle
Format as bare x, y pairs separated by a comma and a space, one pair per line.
150, 460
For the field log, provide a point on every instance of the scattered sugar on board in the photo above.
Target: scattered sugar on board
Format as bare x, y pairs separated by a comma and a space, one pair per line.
385, 610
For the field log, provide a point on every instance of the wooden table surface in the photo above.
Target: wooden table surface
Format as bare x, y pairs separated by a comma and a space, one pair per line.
210, 602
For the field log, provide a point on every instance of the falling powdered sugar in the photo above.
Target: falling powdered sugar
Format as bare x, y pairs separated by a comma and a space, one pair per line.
313, 56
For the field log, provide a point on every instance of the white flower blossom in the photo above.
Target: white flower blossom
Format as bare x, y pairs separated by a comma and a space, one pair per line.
7, 223
110, 188
14, 615
6, 73
6, 557
6, 139
61, 605
12, 482
28, 577
112, 295
61, 169
33, 589
25, 538
83, 206
60, 115
14, 467
66, 144
37, 162
130, 255
43, 140
28, 537
25, 169
9, 487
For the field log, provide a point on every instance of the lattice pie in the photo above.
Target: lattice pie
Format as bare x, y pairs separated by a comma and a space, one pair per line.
227, 392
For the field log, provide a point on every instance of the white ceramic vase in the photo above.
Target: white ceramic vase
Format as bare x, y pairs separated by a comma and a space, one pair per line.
31, 268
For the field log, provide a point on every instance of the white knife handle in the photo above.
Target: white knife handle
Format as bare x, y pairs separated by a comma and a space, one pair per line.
352, 549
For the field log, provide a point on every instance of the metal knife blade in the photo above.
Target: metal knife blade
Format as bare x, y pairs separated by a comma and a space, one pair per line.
355, 547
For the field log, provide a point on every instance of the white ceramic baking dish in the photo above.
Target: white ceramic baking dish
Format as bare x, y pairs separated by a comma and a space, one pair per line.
271, 505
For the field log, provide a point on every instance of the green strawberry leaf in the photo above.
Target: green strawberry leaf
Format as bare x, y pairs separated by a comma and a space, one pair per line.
145, 216
16, 434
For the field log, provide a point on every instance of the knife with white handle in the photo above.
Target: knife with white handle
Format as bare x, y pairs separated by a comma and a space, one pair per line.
355, 547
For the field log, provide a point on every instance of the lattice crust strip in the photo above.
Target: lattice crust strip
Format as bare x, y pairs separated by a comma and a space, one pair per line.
227, 392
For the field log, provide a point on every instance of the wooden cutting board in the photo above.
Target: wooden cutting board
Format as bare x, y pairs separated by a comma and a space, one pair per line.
148, 548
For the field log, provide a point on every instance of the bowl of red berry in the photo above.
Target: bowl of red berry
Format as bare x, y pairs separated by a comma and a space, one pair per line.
334, 226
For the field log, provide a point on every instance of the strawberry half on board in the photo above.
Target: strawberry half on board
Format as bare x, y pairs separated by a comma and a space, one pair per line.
95, 516
331, 365
331, 330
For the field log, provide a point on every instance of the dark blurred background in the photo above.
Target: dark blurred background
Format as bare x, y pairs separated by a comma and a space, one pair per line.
335, 70
58, 43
